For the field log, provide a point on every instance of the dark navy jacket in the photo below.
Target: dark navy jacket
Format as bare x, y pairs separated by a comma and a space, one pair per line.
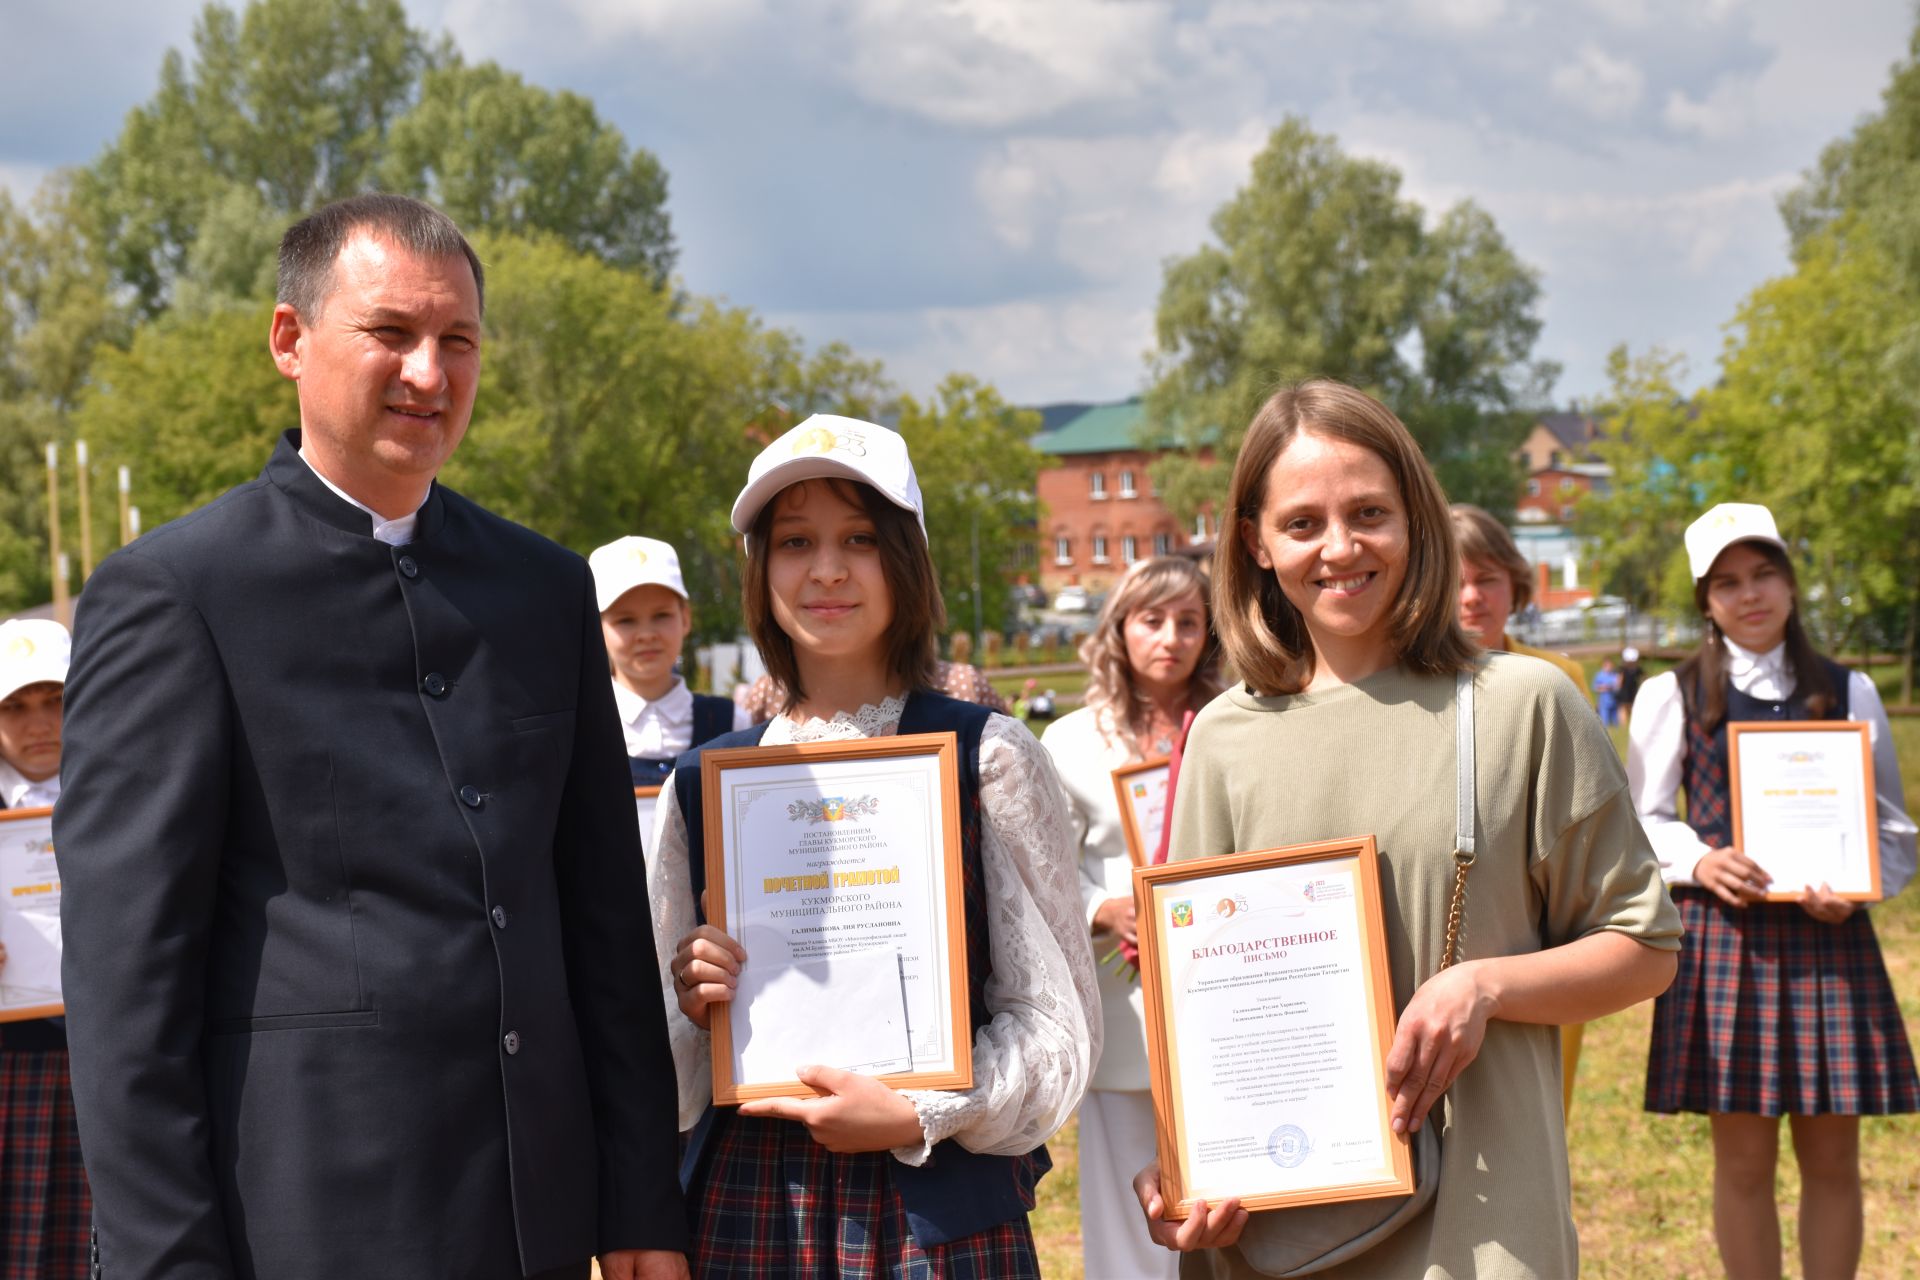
956, 1192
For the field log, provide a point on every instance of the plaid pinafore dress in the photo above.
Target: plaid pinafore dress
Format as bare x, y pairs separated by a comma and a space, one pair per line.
1772, 1012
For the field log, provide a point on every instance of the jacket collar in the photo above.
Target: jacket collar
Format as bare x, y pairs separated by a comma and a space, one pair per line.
289, 473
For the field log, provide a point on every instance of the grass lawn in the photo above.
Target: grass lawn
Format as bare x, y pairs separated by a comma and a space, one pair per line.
1642, 1184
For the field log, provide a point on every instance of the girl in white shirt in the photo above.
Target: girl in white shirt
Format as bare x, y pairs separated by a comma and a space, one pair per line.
1779, 1008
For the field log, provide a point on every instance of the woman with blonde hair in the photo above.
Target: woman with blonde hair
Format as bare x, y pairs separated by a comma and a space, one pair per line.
1152, 662
1336, 594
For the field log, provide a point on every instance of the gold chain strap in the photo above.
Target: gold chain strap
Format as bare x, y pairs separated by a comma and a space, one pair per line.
1456, 908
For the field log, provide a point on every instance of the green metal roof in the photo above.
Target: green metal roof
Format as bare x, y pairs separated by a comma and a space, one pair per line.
1105, 428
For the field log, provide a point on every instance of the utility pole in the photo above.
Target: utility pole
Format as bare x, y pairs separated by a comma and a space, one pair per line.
86, 510
62, 611
126, 492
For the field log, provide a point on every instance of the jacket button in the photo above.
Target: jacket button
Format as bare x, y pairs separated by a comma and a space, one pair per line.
435, 684
511, 1042
500, 917
470, 796
410, 566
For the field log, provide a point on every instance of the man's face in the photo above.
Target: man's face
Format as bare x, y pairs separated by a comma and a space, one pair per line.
387, 369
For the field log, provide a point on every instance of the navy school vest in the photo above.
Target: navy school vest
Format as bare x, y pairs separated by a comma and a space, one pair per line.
957, 1192
712, 717
1704, 771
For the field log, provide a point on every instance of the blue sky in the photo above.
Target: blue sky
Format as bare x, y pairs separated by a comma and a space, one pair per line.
994, 185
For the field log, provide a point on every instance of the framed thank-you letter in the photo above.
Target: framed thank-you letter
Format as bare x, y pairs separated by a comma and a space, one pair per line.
838, 867
29, 916
1269, 1016
1804, 805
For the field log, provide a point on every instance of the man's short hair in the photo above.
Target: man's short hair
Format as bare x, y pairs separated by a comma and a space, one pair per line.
312, 245
1485, 541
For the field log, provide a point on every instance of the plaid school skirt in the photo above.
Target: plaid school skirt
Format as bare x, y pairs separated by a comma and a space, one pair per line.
776, 1203
45, 1210
1774, 1013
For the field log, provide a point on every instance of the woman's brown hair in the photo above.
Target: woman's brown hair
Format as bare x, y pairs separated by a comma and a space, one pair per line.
1264, 635
1148, 583
1703, 676
919, 614
1484, 540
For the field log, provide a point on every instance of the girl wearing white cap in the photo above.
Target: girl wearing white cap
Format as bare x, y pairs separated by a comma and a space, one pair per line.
840, 595
1779, 1008
645, 618
44, 1203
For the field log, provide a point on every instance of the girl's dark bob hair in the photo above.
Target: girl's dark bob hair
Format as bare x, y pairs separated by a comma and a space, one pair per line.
919, 614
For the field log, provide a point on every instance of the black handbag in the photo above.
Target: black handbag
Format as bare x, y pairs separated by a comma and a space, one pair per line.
1303, 1241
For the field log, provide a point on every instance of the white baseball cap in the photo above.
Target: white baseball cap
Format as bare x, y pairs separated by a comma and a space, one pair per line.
630, 562
1630, 654
827, 445
33, 651
1724, 525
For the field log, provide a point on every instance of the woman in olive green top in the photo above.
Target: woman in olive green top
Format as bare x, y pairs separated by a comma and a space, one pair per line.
1336, 602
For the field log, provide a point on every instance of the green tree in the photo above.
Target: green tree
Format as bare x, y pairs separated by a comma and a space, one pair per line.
976, 471
1320, 268
496, 152
1655, 445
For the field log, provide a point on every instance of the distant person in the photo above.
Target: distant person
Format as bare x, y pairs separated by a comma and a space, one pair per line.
358, 968
1152, 662
955, 679
1779, 1008
1631, 676
644, 619
44, 1205
1606, 692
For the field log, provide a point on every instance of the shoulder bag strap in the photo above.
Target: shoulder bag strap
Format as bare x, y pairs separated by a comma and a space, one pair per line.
1463, 811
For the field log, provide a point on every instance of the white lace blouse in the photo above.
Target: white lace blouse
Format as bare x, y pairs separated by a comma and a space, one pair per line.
1032, 1061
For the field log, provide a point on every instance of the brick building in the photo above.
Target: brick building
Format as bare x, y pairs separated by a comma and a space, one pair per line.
1098, 510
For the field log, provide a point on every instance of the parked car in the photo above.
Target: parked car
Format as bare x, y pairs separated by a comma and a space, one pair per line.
1071, 600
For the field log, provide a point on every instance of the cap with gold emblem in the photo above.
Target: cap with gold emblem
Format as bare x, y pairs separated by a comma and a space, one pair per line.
1724, 525
826, 445
32, 651
630, 562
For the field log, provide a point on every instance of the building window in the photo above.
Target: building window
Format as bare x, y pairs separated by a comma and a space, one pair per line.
1022, 556
1126, 485
1129, 549
1163, 544
1063, 550
1566, 513
1567, 484
1533, 488
1097, 486
1100, 548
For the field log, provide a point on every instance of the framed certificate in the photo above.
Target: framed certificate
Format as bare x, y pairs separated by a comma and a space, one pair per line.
1269, 1016
29, 916
837, 865
1141, 789
646, 807
1804, 806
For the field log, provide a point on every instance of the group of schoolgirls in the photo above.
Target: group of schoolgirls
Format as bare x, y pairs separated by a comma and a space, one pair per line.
1776, 1009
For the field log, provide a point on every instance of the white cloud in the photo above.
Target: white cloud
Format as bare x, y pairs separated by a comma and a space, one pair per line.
1605, 87
21, 181
996, 63
1727, 111
1462, 15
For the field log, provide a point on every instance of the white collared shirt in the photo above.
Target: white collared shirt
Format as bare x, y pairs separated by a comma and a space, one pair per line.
1657, 742
18, 792
397, 532
663, 728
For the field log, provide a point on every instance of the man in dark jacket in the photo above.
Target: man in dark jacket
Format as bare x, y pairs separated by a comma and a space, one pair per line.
358, 967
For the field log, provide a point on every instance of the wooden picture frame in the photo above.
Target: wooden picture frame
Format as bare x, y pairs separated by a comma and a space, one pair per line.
916, 778
1264, 891
1155, 770
22, 881
1777, 803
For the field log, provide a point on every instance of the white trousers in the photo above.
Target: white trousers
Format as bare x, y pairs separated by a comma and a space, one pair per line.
1116, 1142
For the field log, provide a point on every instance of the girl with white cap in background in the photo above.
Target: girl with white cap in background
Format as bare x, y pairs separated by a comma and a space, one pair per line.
45, 1208
840, 595
1779, 1008
645, 619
